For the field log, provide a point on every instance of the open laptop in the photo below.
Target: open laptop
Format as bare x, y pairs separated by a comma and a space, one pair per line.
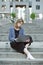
23, 38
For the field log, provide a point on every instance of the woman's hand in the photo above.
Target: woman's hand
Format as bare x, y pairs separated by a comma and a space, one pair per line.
15, 39
27, 40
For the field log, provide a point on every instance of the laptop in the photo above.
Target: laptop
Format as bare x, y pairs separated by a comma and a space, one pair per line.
23, 38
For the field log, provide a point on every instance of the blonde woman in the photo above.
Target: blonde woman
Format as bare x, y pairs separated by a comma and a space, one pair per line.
16, 31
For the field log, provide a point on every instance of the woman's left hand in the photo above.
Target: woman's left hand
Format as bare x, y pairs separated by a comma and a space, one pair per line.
27, 40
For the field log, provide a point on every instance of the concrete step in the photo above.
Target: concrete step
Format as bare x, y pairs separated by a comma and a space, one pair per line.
12, 61
35, 37
33, 29
30, 49
27, 27
33, 32
4, 22
37, 55
9, 57
34, 47
27, 31
24, 26
4, 38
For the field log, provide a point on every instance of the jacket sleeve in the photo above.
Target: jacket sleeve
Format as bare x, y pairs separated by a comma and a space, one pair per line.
11, 35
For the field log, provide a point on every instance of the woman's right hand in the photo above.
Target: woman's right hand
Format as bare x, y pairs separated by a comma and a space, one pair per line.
15, 39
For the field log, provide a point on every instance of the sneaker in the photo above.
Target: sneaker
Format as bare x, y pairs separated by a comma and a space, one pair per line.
30, 57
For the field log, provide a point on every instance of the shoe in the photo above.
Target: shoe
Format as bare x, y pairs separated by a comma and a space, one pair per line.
30, 57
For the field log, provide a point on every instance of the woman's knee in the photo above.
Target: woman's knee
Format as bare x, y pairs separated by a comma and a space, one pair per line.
26, 46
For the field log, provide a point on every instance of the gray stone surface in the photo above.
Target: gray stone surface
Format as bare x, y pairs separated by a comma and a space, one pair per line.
8, 56
21, 61
34, 29
37, 55
35, 46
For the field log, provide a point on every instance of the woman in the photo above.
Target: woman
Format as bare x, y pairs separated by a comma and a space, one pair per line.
16, 31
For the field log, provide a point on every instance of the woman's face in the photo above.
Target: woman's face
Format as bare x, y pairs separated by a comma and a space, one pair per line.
19, 24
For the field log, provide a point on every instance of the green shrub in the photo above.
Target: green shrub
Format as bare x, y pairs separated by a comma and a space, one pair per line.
13, 15
32, 16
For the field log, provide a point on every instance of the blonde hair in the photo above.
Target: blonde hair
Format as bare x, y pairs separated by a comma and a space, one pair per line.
19, 21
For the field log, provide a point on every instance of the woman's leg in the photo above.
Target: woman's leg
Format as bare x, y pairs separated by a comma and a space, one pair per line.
29, 56
26, 46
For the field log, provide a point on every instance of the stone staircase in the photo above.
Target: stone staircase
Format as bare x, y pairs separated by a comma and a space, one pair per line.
34, 29
8, 56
